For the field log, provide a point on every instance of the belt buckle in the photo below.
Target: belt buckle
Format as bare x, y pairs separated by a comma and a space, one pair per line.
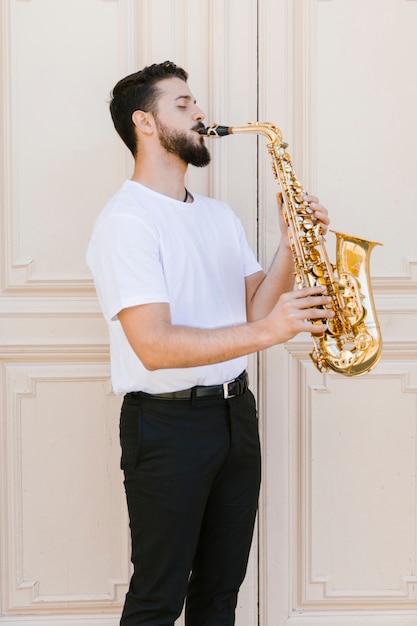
226, 394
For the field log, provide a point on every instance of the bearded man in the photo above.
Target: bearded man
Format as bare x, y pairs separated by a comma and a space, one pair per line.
186, 301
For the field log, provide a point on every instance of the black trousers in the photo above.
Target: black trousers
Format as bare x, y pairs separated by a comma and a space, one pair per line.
192, 477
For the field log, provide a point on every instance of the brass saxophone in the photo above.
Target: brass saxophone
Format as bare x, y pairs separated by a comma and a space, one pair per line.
352, 343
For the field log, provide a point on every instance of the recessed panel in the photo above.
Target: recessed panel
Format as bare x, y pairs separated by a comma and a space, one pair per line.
66, 159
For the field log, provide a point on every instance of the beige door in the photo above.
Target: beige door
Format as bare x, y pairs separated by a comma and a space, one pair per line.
336, 536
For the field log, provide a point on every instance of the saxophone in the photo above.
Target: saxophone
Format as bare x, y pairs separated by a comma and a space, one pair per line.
351, 344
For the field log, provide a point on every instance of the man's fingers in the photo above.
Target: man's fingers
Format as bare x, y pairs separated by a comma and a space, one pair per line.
309, 198
318, 290
311, 302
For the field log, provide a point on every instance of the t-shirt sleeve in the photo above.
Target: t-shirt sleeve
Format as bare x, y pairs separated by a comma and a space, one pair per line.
125, 261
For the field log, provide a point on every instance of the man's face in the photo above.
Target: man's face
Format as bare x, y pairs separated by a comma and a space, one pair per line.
178, 120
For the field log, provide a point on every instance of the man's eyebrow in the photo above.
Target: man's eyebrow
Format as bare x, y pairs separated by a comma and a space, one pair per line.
185, 98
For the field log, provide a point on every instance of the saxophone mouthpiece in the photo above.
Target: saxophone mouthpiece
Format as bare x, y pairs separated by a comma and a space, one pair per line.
216, 131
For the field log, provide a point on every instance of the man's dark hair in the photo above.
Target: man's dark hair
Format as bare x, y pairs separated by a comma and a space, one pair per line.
139, 92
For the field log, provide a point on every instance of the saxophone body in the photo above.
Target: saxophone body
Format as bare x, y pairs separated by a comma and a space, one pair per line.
352, 343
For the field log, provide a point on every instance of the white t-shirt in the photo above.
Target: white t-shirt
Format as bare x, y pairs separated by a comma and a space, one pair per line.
147, 247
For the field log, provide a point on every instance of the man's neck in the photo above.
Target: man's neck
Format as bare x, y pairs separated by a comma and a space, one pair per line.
165, 178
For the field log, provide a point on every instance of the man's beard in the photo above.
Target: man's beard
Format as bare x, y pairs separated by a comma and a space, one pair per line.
180, 144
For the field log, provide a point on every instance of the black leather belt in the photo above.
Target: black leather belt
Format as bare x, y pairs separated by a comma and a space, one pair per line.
226, 390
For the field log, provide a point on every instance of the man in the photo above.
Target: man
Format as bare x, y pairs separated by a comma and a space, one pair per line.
186, 302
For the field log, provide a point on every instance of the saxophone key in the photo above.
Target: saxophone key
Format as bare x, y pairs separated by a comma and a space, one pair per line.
318, 271
308, 224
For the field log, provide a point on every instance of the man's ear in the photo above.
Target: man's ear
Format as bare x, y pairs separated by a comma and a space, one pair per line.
143, 122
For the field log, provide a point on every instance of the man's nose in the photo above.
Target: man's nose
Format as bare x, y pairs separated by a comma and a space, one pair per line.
199, 114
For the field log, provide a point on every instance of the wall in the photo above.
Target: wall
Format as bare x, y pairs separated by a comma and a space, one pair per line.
336, 535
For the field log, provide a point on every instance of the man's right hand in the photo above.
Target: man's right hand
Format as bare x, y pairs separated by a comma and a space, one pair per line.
300, 311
